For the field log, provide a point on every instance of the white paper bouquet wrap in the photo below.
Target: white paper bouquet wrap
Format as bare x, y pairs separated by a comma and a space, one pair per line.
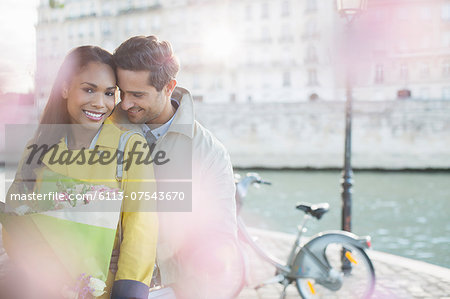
87, 287
79, 232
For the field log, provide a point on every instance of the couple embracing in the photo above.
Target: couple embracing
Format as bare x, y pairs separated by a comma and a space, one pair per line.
172, 231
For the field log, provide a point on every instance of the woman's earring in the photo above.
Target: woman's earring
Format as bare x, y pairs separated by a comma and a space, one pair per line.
65, 92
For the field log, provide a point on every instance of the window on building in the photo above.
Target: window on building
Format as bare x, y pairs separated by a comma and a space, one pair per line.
196, 81
82, 30
286, 79
218, 83
424, 93
311, 28
288, 58
129, 4
106, 28
71, 31
378, 95
424, 70
312, 77
248, 12
91, 29
264, 10
379, 73
248, 34
106, 8
446, 69
404, 94
84, 8
379, 15
313, 97
403, 71
286, 33
425, 42
156, 23
143, 25
445, 13
402, 45
285, 9
379, 45
197, 98
91, 10
128, 26
446, 93
311, 5
446, 39
73, 12
403, 13
251, 81
311, 54
142, 3
40, 37
265, 34
425, 12
249, 58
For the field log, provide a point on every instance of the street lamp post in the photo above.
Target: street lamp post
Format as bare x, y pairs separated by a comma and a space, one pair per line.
349, 9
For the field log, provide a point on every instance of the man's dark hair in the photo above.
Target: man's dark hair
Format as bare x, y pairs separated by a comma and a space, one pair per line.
147, 53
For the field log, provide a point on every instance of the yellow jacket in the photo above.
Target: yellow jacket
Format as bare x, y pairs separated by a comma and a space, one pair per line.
139, 227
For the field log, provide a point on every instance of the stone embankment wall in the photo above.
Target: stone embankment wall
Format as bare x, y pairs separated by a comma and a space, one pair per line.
386, 135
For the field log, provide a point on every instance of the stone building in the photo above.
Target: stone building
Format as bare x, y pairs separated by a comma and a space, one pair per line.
408, 45
263, 50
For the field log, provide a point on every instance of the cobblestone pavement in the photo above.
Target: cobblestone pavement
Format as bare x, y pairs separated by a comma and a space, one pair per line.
396, 277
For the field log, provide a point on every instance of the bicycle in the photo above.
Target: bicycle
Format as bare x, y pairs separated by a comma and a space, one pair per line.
330, 264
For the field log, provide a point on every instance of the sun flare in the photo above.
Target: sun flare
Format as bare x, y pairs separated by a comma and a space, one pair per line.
219, 43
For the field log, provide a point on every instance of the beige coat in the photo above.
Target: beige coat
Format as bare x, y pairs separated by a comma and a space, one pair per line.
200, 163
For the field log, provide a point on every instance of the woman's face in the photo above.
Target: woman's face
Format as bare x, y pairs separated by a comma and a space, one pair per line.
91, 95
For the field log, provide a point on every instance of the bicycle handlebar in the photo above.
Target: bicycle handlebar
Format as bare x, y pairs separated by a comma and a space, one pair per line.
263, 182
243, 184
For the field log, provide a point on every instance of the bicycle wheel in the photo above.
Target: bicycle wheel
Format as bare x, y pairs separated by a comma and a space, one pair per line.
335, 269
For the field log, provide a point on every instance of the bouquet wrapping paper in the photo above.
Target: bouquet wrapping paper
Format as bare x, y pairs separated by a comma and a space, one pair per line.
73, 237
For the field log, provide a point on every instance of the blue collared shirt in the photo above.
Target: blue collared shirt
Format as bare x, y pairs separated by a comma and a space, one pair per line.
161, 130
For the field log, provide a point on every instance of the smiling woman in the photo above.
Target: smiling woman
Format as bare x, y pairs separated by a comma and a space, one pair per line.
84, 93
90, 95
70, 233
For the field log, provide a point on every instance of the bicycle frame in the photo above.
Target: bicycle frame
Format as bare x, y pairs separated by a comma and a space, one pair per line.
285, 270
306, 260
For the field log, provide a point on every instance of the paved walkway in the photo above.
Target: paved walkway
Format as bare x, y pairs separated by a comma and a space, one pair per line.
396, 277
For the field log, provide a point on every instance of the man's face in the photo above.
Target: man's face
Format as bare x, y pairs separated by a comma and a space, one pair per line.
143, 103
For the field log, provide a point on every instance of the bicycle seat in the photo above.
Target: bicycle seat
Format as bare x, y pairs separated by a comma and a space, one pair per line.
316, 210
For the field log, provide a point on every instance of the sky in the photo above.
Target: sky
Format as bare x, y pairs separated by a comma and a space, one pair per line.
17, 45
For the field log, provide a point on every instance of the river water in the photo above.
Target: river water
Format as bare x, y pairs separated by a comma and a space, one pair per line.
405, 213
